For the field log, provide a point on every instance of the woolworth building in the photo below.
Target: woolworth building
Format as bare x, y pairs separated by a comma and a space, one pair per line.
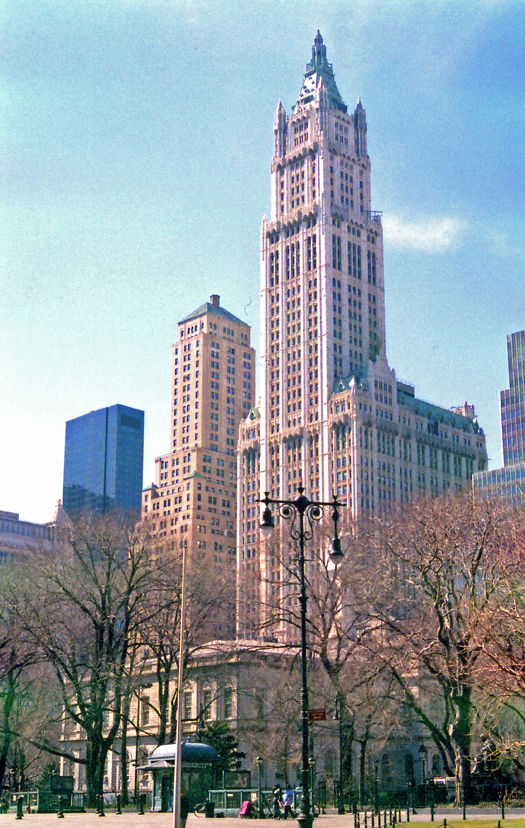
332, 416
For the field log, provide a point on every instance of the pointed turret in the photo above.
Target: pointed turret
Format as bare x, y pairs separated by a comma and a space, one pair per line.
321, 95
280, 124
60, 519
360, 129
317, 68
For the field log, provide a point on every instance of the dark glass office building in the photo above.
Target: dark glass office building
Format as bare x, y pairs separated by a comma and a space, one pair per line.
103, 461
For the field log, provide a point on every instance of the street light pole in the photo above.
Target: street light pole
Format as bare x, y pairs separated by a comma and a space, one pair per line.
311, 763
339, 716
423, 756
177, 770
307, 511
260, 810
137, 738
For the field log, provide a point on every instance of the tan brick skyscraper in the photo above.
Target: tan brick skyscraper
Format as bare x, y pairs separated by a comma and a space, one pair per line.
193, 498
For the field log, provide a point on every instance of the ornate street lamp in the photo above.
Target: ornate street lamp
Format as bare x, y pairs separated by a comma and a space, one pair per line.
302, 513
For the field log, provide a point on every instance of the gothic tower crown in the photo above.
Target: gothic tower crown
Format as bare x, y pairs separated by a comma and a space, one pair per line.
319, 70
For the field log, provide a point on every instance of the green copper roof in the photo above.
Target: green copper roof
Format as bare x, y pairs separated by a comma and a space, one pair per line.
317, 68
209, 307
433, 412
405, 396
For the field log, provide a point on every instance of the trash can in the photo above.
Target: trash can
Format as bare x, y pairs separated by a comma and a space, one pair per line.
209, 809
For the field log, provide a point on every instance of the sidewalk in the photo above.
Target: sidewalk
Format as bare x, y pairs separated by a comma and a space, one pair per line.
133, 820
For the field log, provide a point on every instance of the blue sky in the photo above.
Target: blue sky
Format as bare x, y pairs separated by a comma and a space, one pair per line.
136, 142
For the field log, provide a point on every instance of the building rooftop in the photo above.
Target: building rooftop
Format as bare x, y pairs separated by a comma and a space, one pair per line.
423, 408
214, 307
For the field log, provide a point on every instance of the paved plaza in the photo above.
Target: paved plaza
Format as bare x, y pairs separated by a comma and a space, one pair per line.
149, 820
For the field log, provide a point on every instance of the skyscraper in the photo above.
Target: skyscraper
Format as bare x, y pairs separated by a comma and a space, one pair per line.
333, 416
193, 499
103, 461
510, 480
512, 401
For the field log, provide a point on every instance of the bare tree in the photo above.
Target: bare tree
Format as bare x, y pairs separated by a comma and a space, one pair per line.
17, 679
338, 619
210, 596
437, 571
500, 635
79, 606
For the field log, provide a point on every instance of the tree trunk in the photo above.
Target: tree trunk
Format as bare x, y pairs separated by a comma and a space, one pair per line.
96, 755
461, 736
362, 770
9, 700
173, 723
124, 765
347, 742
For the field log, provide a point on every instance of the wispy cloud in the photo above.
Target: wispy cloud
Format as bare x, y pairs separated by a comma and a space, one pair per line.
433, 234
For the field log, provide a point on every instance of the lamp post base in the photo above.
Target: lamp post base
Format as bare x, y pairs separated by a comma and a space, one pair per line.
305, 821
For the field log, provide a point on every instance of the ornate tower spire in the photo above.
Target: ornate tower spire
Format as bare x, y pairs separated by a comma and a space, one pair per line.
317, 68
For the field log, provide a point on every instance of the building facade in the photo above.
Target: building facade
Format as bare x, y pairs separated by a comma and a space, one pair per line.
193, 498
254, 692
333, 417
509, 481
103, 461
20, 536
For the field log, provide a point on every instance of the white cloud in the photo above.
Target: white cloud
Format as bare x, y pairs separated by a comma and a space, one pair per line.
432, 234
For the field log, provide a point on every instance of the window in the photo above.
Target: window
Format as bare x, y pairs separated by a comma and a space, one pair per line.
228, 702
144, 710
336, 252
207, 699
187, 705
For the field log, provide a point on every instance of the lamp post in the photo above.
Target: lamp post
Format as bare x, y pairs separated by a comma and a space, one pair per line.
305, 512
339, 707
376, 787
177, 769
423, 756
259, 761
411, 796
140, 688
311, 762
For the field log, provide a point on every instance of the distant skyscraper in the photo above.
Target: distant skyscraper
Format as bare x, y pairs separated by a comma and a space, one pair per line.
193, 499
333, 416
103, 461
512, 402
510, 480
